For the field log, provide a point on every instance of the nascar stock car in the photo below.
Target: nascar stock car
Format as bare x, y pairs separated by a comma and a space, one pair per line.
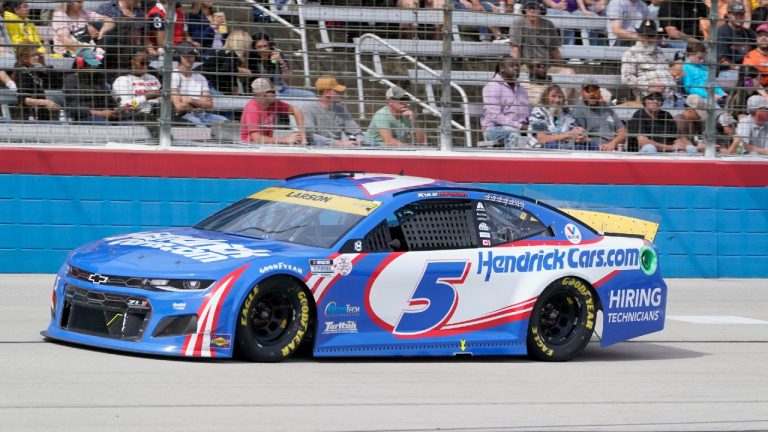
354, 264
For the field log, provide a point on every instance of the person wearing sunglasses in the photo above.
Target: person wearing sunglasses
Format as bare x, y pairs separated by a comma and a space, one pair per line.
603, 126
138, 93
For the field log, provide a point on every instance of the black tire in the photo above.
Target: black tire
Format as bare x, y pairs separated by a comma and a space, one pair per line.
273, 321
562, 321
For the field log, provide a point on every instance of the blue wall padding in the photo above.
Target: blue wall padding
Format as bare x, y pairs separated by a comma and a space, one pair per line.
704, 231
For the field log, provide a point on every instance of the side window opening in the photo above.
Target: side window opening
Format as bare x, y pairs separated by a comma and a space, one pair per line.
510, 223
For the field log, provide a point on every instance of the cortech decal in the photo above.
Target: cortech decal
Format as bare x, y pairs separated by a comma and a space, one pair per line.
281, 266
319, 200
198, 249
557, 259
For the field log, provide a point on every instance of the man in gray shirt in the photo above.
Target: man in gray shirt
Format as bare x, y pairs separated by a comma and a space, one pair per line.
604, 128
327, 121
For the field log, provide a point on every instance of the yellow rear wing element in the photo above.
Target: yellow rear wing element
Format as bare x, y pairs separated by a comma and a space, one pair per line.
613, 223
319, 200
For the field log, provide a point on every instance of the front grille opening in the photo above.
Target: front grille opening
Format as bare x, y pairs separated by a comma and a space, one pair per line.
104, 314
176, 326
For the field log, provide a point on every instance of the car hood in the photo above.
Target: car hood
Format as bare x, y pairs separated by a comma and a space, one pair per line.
182, 252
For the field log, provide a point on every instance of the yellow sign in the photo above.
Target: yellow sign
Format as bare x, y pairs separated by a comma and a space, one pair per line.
463, 344
319, 200
612, 223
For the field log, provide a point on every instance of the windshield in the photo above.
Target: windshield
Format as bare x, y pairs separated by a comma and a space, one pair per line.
284, 216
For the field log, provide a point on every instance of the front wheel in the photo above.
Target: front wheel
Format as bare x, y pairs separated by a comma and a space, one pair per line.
273, 320
562, 321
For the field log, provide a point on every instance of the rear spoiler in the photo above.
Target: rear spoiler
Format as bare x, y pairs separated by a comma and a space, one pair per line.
615, 224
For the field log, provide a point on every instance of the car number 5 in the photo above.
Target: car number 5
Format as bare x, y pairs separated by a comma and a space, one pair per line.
434, 300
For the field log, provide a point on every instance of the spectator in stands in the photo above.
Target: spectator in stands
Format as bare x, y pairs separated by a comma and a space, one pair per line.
506, 106
758, 57
652, 129
747, 84
603, 126
86, 91
695, 72
680, 21
189, 90
759, 15
138, 93
33, 79
722, 10
269, 62
74, 28
8, 82
393, 124
568, 8
538, 81
128, 33
676, 70
552, 126
644, 67
156, 28
726, 128
259, 117
407, 30
327, 121
690, 122
533, 38
733, 39
225, 66
624, 17
752, 131
18, 25
207, 26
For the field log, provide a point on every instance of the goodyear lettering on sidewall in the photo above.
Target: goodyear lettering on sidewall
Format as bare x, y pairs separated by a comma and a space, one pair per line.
557, 259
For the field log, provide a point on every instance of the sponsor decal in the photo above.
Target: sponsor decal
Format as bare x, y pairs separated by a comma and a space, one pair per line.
638, 302
179, 306
504, 200
557, 259
342, 265
442, 194
319, 200
198, 249
573, 234
480, 207
484, 234
486, 242
483, 227
332, 309
358, 246
281, 266
321, 267
332, 327
221, 341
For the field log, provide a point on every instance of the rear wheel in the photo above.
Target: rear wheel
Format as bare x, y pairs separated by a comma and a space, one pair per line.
562, 321
274, 320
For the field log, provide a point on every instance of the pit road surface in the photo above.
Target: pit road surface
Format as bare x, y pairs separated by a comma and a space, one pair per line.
708, 370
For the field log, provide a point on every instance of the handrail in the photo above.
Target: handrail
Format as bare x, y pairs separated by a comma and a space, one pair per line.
299, 31
360, 95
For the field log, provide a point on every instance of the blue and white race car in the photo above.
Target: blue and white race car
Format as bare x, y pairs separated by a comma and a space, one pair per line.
354, 264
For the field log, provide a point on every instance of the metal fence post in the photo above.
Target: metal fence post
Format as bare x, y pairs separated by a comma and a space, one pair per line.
446, 139
166, 105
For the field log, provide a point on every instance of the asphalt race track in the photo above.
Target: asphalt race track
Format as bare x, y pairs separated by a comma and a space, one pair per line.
708, 370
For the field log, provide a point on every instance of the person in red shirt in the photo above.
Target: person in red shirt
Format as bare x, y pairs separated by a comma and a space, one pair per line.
758, 57
259, 117
156, 28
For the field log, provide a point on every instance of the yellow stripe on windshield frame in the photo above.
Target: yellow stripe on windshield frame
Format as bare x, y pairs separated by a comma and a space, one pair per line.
318, 199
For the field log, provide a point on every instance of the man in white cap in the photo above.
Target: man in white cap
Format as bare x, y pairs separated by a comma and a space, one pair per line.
259, 117
690, 122
392, 125
752, 132
327, 120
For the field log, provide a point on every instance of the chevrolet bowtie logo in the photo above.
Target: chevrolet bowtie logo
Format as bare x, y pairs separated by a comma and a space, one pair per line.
97, 278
